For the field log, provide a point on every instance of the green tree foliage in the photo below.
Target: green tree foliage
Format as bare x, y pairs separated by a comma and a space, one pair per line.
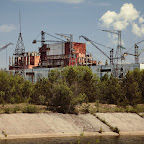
62, 98
42, 91
13, 89
67, 87
132, 88
110, 88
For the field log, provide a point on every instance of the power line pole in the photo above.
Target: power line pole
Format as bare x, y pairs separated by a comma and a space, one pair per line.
19, 53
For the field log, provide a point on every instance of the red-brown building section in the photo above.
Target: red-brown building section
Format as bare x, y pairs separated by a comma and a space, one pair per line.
54, 55
28, 61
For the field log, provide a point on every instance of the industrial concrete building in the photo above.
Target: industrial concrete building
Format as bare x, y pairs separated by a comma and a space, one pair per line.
58, 55
29, 60
100, 70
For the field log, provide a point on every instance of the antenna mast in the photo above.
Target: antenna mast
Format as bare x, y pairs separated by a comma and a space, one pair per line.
19, 52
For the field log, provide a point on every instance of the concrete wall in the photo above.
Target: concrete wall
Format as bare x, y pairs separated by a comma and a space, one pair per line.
56, 49
56, 124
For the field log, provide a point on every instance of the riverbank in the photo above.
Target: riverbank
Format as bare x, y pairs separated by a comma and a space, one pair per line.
19, 125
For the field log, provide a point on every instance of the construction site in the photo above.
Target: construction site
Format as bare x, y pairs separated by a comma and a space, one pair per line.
63, 51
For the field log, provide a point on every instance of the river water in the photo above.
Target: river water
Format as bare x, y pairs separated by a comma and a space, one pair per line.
80, 140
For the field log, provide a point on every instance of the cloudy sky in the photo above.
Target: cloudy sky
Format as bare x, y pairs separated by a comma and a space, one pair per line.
77, 17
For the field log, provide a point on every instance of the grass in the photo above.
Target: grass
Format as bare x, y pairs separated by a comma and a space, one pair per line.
30, 109
82, 108
104, 108
23, 108
100, 130
114, 129
4, 133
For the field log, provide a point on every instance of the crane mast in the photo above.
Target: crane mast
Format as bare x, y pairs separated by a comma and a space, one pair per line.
119, 51
137, 53
69, 38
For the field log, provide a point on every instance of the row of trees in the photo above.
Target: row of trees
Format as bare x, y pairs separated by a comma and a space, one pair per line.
63, 89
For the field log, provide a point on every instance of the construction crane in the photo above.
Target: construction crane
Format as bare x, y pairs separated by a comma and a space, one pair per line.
119, 47
43, 39
137, 53
111, 52
69, 38
4, 47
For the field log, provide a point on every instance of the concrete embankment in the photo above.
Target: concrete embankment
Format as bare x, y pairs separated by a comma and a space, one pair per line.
57, 125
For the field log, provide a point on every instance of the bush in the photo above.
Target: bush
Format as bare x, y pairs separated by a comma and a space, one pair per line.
62, 98
7, 110
30, 109
15, 109
115, 129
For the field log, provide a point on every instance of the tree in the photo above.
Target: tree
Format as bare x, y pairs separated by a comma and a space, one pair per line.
42, 91
62, 98
110, 90
133, 93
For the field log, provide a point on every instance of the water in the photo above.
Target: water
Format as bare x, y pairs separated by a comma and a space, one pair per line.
80, 140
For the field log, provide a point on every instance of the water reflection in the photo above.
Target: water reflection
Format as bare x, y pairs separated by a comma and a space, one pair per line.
80, 140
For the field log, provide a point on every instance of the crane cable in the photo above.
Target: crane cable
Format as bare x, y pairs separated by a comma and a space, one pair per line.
54, 37
49, 35
102, 45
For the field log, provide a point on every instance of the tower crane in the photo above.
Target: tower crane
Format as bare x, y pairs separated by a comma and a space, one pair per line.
43, 39
111, 52
119, 47
137, 53
4, 47
69, 38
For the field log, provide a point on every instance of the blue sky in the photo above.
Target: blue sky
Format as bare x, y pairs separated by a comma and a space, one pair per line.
77, 17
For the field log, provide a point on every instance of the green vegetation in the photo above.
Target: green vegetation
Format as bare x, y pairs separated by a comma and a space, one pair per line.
30, 109
73, 90
4, 133
100, 130
114, 129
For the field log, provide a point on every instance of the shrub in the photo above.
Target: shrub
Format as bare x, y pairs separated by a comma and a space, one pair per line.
15, 109
7, 110
100, 130
30, 109
4, 133
115, 129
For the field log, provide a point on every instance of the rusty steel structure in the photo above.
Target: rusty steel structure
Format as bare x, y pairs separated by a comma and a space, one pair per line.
19, 53
62, 53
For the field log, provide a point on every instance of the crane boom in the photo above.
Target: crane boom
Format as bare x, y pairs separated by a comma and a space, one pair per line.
114, 32
65, 36
94, 45
4, 47
43, 39
139, 42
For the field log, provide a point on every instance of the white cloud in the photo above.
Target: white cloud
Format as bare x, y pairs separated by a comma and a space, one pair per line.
120, 25
120, 21
141, 20
138, 31
128, 13
108, 18
128, 16
61, 1
7, 28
